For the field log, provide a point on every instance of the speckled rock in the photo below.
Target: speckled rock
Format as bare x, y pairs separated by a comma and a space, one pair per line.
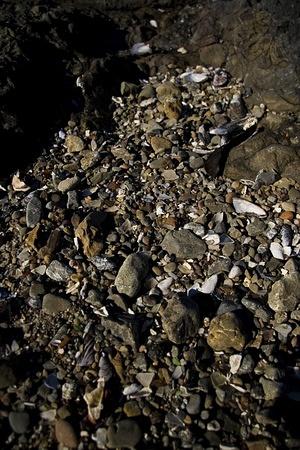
53, 304
226, 332
285, 293
184, 244
132, 273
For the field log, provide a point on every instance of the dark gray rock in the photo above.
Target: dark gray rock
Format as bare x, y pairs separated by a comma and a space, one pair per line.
7, 376
124, 434
33, 212
132, 273
184, 244
180, 320
19, 421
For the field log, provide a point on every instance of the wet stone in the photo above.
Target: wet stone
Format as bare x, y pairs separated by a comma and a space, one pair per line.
33, 212
184, 244
126, 433
132, 273
53, 304
226, 332
180, 320
19, 422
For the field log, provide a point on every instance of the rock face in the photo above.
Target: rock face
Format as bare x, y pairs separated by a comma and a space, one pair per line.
285, 293
184, 244
181, 320
132, 273
226, 332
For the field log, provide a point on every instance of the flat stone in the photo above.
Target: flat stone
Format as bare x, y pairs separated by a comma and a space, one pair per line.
126, 332
58, 271
33, 212
52, 304
272, 389
126, 433
132, 273
19, 421
285, 293
193, 406
68, 184
36, 289
7, 376
65, 434
184, 244
74, 144
226, 332
180, 320
160, 144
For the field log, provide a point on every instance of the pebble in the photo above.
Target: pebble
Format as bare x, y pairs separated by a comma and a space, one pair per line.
33, 212
74, 144
227, 332
19, 422
284, 293
68, 184
58, 272
7, 376
131, 274
125, 433
65, 434
53, 304
184, 244
194, 403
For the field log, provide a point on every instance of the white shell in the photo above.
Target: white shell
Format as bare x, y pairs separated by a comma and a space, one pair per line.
243, 206
197, 77
277, 250
153, 23
140, 49
235, 362
209, 285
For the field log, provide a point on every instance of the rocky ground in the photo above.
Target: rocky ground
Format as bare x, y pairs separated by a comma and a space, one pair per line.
150, 254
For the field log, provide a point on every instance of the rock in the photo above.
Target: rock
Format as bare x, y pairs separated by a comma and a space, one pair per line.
132, 409
19, 421
65, 434
147, 92
126, 433
68, 184
170, 97
58, 271
226, 332
74, 144
180, 320
160, 144
184, 244
33, 212
36, 290
7, 376
52, 304
89, 233
285, 293
272, 389
126, 332
132, 273
193, 406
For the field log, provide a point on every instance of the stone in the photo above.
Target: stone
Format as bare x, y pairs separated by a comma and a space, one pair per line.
58, 271
65, 434
166, 91
184, 244
132, 409
89, 233
256, 227
132, 273
36, 289
180, 320
193, 406
272, 389
147, 92
125, 433
19, 421
285, 293
160, 144
226, 332
7, 376
126, 332
33, 212
53, 304
74, 144
68, 184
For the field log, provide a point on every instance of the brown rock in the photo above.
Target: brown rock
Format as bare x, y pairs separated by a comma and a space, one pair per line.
226, 332
287, 215
89, 233
74, 144
32, 237
160, 144
65, 434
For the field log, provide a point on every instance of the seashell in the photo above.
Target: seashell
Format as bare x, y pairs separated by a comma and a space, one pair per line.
209, 285
242, 206
140, 49
145, 378
17, 184
94, 401
235, 362
286, 235
277, 250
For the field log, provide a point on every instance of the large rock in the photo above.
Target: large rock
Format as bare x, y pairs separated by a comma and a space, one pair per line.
227, 332
181, 320
126, 434
184, 244
132, 273
246, 160
285, 293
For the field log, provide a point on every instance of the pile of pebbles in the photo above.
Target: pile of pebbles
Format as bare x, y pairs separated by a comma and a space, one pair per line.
144, 303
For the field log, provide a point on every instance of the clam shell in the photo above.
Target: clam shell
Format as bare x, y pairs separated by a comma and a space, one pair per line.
140, 49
